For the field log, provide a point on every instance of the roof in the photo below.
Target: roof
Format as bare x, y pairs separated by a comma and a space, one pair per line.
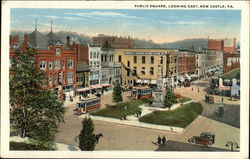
38, 40
53, 39
82, 66
232, 74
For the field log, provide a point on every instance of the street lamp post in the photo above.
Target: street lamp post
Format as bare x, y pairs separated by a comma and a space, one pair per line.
232, 144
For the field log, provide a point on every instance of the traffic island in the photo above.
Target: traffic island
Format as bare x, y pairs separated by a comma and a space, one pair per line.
180, 117
120, 110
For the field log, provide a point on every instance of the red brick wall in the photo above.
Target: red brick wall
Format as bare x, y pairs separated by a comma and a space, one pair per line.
215, 44
235, 61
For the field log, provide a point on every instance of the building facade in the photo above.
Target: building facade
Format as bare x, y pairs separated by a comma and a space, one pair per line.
200, 64
115, 41
229, 45
231, 61
186, 64
215, 44
139, 66
54, 58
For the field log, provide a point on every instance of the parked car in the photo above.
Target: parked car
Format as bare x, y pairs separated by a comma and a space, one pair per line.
205, 138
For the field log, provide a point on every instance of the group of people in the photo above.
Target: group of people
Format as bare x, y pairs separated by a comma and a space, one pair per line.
138, 113
161, 141
197, 90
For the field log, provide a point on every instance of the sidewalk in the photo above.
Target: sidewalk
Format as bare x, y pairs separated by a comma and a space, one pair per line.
133, 120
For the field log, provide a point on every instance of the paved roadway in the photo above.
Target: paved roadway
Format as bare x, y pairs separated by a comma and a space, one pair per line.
123, 137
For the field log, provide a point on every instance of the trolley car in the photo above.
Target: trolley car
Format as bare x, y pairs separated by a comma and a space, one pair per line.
88, 104
141, 93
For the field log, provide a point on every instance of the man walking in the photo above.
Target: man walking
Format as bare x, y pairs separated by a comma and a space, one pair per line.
159, 140
164, 140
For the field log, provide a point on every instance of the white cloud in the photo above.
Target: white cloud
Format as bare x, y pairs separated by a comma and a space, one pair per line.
104, 14
181, 22
66, 18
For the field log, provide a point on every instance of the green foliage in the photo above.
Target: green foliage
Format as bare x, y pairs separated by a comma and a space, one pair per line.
87, 136
117, 93
36, 111
119, 111
180, 117
28, 146
170, 98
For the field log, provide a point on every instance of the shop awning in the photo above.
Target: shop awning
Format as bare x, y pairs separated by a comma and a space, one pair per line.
193, 75
138, 81
82, 89
106, 85
153, 81
96, 86
146, 81
188, 77
181, 78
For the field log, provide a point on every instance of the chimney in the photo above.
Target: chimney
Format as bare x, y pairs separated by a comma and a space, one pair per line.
68, 41
26, 38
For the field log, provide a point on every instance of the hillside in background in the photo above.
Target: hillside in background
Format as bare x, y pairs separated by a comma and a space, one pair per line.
198, 44
139, 43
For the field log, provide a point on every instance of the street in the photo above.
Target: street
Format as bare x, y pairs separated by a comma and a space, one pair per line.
123, 137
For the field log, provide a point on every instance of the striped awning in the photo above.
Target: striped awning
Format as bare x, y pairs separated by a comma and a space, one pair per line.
153, 81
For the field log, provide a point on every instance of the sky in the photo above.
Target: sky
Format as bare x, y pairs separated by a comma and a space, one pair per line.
157, 25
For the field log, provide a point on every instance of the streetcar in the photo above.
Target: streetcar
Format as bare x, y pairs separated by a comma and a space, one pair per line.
86, 105
141, 93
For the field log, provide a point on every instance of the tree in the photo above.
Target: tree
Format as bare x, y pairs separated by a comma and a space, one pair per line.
117, 93
35, 110
87, 137
170, 98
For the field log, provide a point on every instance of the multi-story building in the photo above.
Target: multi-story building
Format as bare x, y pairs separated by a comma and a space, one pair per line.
229, 45
114, 41
231, 61
200, 64
95, 64
214, 59
57, 60
110, 70
139, 66
215, 44
186, 64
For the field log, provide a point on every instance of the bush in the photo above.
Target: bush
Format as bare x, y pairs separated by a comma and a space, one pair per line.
27, 146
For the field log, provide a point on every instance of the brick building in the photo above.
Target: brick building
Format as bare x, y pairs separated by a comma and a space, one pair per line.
231, 61
186, 63
57, 60
215, 44
116, 42
229, 45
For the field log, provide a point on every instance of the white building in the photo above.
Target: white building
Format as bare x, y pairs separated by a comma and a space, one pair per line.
94, 64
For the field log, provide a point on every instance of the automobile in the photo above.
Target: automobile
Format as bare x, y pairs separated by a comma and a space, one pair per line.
205, 138
209, 99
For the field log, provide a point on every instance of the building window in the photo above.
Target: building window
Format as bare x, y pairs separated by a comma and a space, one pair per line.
94, 56
152, 59
151, 70
58, 51
50, 80
135, 70
79, 78
128, 63
120, 58
175, 60
197, 57
70, 63
143, 59
50, 65
175, 69
91, 54
161, 60
63, 64
70, 77
43, 65
57, 64
128, 72
135, 59
143, 71
55, 79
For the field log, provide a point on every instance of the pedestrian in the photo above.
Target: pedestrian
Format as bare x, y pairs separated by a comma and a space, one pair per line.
140, 112
71, 98
198, 90
159, 140
164, 140
192, 88
137, 114
222, 99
